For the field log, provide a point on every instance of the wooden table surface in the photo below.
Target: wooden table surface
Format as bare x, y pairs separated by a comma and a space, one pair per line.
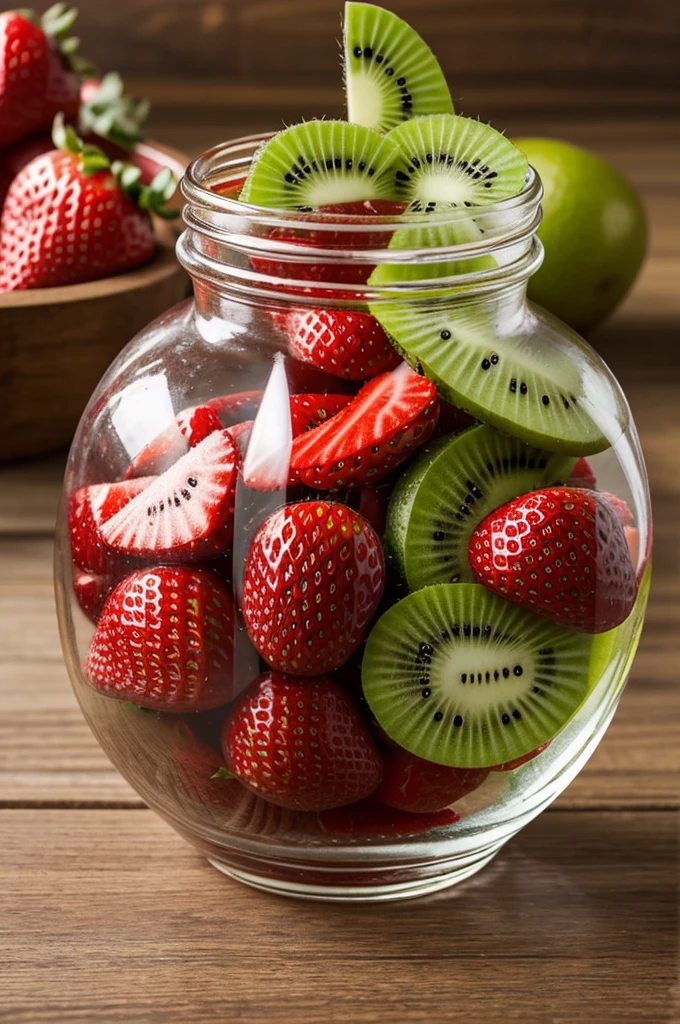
106, 915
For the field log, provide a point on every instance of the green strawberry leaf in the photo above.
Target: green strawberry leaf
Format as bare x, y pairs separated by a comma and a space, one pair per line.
223, 773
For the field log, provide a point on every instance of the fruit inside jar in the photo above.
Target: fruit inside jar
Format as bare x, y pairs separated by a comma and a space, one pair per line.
359, 542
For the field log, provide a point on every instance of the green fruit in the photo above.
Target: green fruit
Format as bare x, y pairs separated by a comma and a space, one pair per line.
459, 676
593, 232
320, 163
450, 489
391, 74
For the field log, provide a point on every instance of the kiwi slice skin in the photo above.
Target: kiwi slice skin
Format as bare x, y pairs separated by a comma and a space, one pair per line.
447, 492
458, 676
391, 73
321, 163
451, 161
511, 378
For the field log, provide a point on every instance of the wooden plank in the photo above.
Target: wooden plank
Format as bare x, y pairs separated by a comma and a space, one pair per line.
48, 755
585, 45
109, 917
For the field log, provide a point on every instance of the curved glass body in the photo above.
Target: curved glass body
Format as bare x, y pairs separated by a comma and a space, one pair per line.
250, 268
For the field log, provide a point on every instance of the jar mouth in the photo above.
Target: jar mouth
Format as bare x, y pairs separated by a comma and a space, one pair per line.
229, 162
469, 248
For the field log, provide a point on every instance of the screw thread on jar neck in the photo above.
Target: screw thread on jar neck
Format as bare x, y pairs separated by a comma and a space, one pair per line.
270, 257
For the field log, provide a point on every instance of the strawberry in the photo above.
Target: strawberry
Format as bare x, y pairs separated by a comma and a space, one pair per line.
560, 552
369, 819
620, 507
309, 411
167, 523
510, 766
389, 417
70, 216
191, 426
582, 476
410, 783
165, 641
187, 512
201, 770
342, 342
300, 743
38, 71
88, 509
91, 592
314, 576
361, 213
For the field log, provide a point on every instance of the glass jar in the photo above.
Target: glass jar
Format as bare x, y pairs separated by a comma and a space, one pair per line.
168, 731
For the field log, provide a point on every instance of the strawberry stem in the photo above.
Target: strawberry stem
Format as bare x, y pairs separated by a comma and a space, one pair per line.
112, 115
56, 23
151, 198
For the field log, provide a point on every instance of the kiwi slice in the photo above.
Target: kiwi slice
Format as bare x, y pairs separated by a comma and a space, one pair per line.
391, 74
458, 676
450, 489
529, 382
321, 163
452, 161
434, 239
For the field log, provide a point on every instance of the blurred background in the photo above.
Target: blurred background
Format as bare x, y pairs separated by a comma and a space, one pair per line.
214, 67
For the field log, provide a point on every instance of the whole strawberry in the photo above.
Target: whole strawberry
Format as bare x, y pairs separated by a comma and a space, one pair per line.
39, 71
165, 641
343, 342
313, 579
410, 783
562, 553
71, 216
300, 743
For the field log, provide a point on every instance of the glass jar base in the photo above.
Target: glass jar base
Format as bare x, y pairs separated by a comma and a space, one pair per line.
351, 893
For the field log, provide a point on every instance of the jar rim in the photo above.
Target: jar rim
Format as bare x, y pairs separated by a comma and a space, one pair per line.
235, 155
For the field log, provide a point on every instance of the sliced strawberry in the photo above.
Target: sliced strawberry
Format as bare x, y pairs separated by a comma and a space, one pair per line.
369, 819
309, 411
313, 580
562, 553
165, 641
582, 476
329, 237
198, 423
345, 343
235, 408
510, 766
412, 784
187, 513
390, 416
300, 743
88, 509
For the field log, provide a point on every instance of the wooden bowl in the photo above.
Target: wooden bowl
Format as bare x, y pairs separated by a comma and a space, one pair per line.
56, 343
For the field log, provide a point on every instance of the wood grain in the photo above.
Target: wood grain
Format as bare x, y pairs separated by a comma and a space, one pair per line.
113, 918
48, 755
583, 46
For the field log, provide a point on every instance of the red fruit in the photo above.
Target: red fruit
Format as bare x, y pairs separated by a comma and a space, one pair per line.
369, 819
300, 743
411, 784
37, 80
309, 411
15, 157
165, 641
342, 342
372, 505
452, 419
366, 212
196, 764
560, 552
187, 512
389, 417
88, 509
313, 580
91, 592
620, 507
509, 766
582, 476
69, 218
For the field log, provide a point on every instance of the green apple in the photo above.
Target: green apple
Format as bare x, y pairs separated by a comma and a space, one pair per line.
593, 232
